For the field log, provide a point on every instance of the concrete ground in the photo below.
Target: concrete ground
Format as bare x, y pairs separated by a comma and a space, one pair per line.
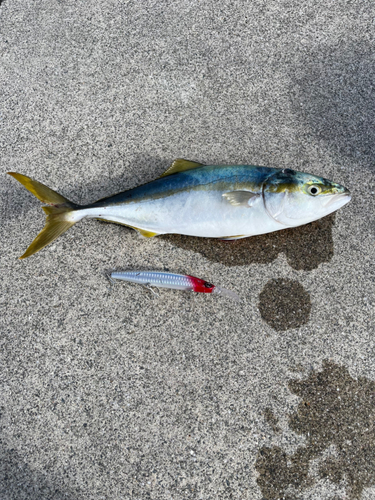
114, 394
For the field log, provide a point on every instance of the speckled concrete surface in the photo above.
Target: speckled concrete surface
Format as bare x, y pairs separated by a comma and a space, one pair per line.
113, 394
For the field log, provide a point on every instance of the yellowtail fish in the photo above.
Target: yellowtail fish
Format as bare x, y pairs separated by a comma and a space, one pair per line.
213, 201
183, 282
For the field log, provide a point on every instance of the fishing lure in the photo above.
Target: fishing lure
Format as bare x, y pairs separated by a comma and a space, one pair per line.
182, 282
228, 202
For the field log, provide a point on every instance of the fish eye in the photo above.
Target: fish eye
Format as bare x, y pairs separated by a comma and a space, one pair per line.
208, 285
313, 190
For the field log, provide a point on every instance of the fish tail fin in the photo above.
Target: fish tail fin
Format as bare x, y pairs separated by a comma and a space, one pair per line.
61, 214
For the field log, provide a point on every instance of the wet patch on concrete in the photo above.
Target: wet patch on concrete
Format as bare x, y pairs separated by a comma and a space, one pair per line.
335, 411
284, 304
271, 419
305, 247
280, 476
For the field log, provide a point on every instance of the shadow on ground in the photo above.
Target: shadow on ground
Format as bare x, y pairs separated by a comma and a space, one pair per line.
19, 482
336, 413
305, 247
333, 91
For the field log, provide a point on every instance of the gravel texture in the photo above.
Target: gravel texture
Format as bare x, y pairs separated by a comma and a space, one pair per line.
112, 393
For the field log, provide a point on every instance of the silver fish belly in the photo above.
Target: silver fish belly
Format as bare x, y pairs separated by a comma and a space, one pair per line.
193, 214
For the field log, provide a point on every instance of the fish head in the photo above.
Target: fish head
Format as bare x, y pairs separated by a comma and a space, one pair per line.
296, 198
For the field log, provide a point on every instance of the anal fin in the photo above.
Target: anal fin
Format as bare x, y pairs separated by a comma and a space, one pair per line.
142, 232
146, 234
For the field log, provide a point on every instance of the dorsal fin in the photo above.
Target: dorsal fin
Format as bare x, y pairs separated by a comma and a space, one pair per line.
180, 165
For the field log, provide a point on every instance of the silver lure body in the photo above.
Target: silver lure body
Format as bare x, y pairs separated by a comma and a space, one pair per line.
173, 281
155, 278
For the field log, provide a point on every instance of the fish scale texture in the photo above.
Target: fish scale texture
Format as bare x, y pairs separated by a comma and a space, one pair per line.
112, 393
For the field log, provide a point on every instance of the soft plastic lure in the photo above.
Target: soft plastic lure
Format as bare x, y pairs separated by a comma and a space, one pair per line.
182, 282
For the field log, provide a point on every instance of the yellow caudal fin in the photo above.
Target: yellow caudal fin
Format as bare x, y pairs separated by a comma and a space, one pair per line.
61, 214
42, 192
49, 233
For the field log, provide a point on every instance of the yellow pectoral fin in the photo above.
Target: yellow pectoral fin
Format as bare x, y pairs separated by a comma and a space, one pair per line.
241, 198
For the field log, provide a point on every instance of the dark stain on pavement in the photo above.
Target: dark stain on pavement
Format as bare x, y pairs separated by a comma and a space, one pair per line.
305, 247
335, 411
271, 419
284, 304
281, 476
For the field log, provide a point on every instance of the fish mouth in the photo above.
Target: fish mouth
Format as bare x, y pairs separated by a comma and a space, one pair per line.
337, 201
